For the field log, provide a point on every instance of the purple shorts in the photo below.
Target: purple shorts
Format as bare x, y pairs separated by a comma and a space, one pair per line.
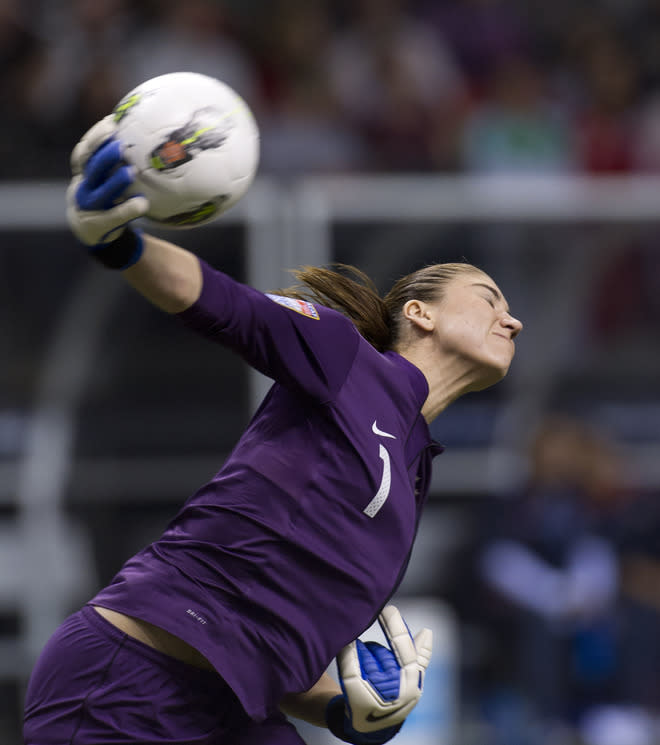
94, 685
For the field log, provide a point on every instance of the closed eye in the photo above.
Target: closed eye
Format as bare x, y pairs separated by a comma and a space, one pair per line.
493, 295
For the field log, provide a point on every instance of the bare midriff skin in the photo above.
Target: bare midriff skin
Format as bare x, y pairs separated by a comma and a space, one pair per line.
155, 637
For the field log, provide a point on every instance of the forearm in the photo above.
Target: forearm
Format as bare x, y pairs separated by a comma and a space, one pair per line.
167, 275
311, 705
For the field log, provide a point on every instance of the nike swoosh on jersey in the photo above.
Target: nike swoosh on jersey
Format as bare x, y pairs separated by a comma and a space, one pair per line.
385, 483
376, 431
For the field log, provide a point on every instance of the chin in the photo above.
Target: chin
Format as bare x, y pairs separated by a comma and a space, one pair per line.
491, 376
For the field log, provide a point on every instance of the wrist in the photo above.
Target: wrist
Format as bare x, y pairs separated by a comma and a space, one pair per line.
121, 253
335, 713
340, 725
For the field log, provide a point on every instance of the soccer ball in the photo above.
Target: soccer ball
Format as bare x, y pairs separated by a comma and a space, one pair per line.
194, 144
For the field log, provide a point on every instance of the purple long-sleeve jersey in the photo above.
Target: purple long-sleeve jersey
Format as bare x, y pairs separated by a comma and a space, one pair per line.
294, 546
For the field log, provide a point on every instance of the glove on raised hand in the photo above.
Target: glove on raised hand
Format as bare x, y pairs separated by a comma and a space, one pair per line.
98, 209
381, 684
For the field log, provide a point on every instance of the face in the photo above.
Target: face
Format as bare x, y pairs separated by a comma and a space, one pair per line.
473, 325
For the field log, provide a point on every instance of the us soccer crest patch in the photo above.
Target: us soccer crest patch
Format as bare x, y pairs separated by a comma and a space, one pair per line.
300, 306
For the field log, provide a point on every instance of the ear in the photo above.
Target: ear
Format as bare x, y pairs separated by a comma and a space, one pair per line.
417, 312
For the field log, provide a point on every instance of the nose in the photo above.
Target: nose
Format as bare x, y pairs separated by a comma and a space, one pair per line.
513, 324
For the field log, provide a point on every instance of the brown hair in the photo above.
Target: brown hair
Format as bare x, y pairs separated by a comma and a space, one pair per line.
353, 293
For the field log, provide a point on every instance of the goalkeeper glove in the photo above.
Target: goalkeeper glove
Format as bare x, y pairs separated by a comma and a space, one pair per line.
381, 684
98, 209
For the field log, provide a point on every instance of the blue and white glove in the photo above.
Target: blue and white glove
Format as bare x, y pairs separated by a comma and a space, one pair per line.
381, 684
98, 207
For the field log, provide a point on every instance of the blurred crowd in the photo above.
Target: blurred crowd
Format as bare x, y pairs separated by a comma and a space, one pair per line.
558, 593
558, 586
378, 85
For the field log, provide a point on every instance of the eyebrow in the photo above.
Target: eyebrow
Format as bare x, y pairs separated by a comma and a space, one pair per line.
495, 293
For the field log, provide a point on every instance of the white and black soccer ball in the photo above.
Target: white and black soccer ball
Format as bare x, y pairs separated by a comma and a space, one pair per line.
194, 144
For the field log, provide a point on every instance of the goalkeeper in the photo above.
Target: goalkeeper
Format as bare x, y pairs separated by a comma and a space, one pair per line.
215, 632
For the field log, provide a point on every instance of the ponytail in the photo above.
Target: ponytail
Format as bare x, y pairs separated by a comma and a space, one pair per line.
351, 292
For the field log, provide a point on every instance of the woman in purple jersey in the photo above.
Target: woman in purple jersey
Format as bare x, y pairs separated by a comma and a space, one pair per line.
216, 631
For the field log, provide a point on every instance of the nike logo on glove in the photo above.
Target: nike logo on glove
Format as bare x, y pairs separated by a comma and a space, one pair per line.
371, 718
376, 431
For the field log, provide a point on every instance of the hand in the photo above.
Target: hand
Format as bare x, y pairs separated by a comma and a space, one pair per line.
98, 209
103, 130
381, 684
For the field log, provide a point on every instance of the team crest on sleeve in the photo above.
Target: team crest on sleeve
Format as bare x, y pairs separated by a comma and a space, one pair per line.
300, 306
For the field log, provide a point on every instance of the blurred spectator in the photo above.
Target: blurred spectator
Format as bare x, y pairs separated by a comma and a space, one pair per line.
625, 306
516, 128
303, 132
642, 29
293, 38
20, 51
481, 33
639, 549
646, 145
22, 58
552, 568
607, 118
193, 35
397, 83
302, 128
82, 76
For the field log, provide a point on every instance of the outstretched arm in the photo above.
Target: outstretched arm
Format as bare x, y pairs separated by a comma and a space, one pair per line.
295, 344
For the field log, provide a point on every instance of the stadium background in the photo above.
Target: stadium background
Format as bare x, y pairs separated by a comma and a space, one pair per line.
522, 136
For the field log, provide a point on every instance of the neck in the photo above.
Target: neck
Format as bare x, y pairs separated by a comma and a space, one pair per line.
447, 379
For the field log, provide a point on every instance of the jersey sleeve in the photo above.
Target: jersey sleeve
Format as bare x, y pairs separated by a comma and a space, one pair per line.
298, 344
